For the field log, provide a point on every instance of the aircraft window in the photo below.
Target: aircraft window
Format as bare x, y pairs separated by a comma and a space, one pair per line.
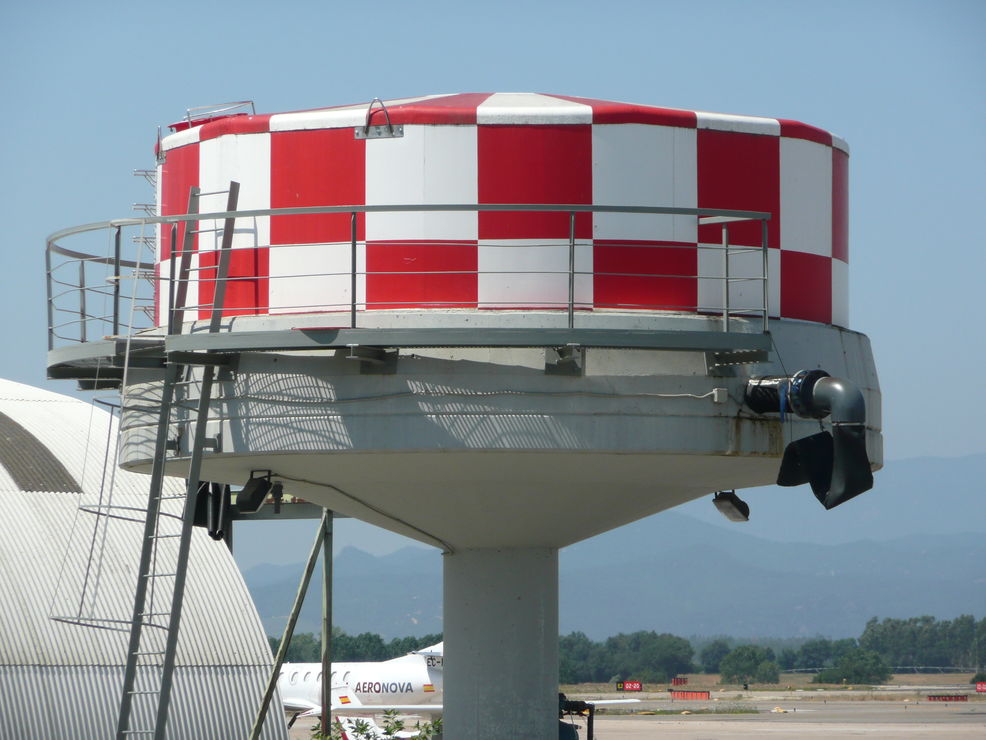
294, 678
308, 676
319, 677
345, 677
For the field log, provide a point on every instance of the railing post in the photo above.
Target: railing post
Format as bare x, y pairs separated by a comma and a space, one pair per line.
82, 300
766, 283
571, 269
116, 282
171, 279
352, 276
725, 282
51, 315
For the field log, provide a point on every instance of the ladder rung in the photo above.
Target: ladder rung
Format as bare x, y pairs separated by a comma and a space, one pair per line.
170, 498
152, 691
149, 652
159, 575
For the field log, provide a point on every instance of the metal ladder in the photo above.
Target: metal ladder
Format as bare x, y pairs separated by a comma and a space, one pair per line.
144, 650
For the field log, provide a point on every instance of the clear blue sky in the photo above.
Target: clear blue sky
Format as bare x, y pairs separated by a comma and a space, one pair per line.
83, 87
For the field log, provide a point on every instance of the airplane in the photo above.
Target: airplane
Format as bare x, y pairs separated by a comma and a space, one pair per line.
410, 684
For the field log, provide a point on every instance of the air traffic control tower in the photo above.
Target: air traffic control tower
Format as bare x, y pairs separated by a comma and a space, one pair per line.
495, 323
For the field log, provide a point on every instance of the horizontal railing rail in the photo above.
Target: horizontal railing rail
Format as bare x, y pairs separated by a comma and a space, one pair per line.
112, 294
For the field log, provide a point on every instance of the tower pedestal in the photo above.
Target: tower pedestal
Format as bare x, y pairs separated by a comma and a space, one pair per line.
501, 643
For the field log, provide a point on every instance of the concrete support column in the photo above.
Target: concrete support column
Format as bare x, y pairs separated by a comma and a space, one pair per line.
501, 644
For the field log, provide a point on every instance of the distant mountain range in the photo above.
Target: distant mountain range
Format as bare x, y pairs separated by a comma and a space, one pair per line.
674, 573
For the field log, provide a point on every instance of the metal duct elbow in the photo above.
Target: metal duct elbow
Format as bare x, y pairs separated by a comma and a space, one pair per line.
840, 399
834, 463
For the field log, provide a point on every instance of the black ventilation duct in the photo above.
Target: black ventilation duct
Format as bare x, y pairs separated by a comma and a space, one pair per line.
834, 463
212, 509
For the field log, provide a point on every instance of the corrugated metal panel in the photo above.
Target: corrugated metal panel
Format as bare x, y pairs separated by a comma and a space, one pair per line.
32, 465
79, 703
58, 560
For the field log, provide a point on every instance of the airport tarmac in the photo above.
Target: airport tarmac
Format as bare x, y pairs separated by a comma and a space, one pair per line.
778, 718
877, 720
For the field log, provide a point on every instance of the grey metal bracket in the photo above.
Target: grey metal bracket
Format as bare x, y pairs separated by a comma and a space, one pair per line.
373, 360
724, 363
566, 360
385, 131
215, 359
390, 131
174, 445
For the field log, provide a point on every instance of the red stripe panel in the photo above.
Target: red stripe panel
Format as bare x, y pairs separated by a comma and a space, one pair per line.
439, 274
238, 124
179, 173
739, 172
798, 130
322, 167
634, 267
806, 287
534, 164
246, 292
840, 205
606, 111
448, 109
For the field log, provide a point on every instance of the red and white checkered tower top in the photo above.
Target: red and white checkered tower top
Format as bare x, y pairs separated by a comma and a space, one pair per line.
481, 148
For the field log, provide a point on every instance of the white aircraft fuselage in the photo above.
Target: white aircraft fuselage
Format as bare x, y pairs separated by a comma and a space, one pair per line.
413, 679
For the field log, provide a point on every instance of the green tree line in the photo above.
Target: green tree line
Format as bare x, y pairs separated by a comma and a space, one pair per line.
655, 658
305, 647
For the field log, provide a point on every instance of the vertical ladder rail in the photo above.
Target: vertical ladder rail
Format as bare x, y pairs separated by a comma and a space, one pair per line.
173, 377
188, 240
172, 374
181, 568
222, 272
194, 474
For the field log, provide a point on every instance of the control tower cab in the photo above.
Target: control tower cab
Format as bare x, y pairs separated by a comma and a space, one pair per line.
496, 323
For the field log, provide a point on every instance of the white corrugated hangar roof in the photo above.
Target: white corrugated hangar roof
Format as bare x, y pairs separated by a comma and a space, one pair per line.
62, 677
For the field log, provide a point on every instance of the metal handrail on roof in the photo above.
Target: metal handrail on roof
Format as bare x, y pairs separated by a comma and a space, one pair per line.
73, 321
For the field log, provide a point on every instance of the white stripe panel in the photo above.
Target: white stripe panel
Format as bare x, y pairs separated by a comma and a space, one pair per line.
839, 143
639, 165
181, 138
744, 262
840, 293
428, 165
531, 108
738, 124
244, 158
526, 273
316, 277
806, 197
348, 115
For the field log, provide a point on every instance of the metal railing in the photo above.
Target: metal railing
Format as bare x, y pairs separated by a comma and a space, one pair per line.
123, 291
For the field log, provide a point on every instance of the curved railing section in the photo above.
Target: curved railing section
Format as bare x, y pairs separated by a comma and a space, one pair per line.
113, 283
